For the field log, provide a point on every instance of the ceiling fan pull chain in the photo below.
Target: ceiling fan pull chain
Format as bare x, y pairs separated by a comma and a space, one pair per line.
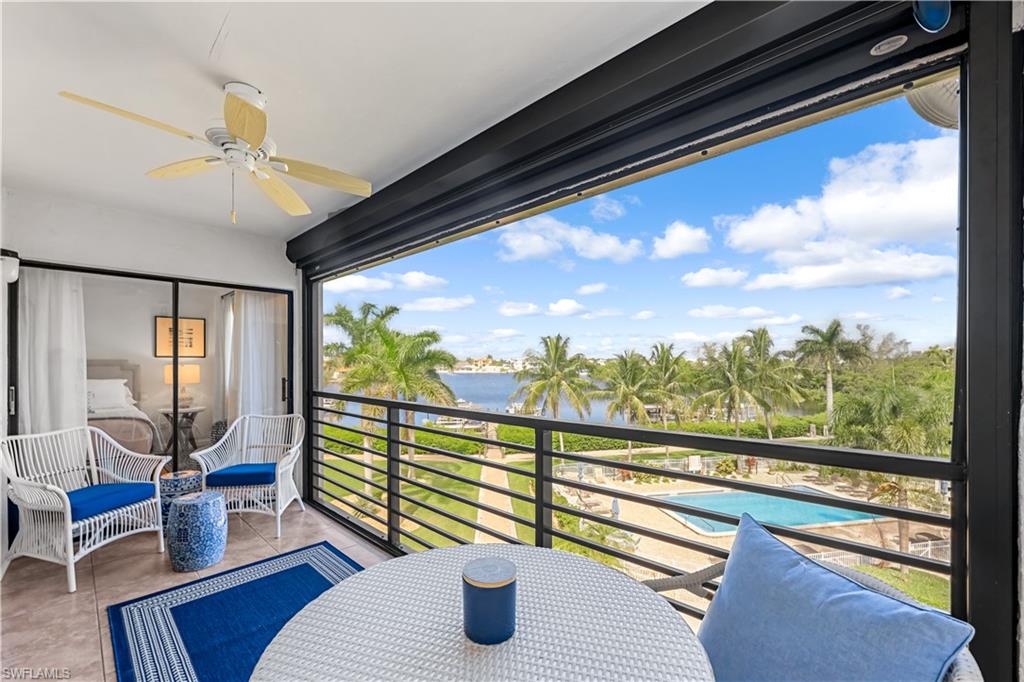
234, 214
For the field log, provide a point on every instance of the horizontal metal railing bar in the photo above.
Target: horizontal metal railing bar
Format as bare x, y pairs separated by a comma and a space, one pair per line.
418, 540
888, 463
465, 500
350, 459
345, 443
351, 491
358, 525
774, 491
458, 519
356, 415
436, 529
351, 506
349, 474
640, 530
786, 531
469, 481
361, 432
472, 437
466, 458
685, 608
618, 553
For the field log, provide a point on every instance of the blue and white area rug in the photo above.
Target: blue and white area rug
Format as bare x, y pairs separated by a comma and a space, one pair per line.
216, 628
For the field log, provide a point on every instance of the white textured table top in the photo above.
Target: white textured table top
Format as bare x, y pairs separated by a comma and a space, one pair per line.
576, 619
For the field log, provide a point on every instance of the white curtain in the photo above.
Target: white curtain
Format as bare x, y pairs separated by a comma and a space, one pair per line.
253, 370
51, 351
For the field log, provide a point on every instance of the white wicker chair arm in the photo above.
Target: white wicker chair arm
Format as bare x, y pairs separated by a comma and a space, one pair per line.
41, 496
114, 462
216, 456
691, 582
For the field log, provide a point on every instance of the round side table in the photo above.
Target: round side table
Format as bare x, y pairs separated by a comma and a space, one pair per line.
197, 530
175, 484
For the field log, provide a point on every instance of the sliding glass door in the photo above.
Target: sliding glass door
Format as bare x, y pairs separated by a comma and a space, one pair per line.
161, 366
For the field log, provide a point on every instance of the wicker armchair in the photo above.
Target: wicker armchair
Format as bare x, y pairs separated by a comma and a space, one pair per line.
963, 669
78, 486
252, 465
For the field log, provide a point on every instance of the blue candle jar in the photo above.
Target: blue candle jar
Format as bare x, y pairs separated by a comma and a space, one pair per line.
489, 600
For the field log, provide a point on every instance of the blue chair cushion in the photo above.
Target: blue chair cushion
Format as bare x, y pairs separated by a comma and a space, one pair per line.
96, 499
780, 616
242, 474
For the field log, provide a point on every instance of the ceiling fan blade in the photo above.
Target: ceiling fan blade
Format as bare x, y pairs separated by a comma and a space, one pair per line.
244, 121
321, 175
138, 118
183, 169
281, 194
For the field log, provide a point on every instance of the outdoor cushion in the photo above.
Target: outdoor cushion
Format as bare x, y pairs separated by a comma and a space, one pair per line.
96, 499
242, 474
781, 616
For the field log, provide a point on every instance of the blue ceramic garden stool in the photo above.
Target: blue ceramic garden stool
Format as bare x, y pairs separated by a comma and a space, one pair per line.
197, 530
175, 484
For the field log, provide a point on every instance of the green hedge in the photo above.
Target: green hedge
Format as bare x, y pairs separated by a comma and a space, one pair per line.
782, 427
434, 440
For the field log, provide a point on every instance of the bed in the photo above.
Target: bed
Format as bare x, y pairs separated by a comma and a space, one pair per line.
120, 418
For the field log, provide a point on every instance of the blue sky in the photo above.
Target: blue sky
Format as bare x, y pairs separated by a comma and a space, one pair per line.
852, 218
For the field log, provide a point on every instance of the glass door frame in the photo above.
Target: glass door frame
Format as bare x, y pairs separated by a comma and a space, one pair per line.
175, 282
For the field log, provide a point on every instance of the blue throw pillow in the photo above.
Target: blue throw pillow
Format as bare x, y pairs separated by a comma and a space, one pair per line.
780, 616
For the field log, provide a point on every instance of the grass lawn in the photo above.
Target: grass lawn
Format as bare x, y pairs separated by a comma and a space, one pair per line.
922, 586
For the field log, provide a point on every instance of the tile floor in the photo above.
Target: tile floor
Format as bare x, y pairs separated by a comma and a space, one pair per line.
43, 626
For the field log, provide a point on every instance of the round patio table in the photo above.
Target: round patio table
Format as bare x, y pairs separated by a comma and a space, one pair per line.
576, 619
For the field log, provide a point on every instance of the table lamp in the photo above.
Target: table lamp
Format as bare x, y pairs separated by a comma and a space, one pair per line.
187, 374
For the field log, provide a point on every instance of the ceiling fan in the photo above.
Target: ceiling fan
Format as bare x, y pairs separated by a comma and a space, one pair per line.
243, 145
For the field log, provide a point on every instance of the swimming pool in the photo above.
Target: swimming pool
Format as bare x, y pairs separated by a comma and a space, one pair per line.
764, 508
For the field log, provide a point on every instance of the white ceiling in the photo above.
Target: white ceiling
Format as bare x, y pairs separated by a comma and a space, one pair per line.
376, 90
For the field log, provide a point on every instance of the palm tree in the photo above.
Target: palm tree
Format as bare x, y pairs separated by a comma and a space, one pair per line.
628, 387
670, 380
728, 379
828, 348
553, 375
776, 382
403, 367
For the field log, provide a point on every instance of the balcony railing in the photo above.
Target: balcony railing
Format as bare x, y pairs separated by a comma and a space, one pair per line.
415, 485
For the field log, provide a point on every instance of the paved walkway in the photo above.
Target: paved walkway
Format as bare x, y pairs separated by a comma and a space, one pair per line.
489, 497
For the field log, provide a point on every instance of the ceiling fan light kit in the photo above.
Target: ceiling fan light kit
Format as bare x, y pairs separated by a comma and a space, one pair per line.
242, 144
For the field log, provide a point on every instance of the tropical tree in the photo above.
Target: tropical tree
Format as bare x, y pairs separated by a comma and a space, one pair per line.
775, 380
359, 326
402, 367
627, 386
828, 348
728, 380
671, 382
551, 376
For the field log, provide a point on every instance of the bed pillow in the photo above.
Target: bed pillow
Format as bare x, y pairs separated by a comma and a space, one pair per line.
780, 616
105, 394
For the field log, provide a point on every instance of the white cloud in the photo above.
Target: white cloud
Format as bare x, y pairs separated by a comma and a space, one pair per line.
602, 312
565, 306
514, 309
643, 315
439, 304
897, 292
689, 337
679, 239
603, 208
545, 236
416, 279
714, 277
860, 315
720, 311
491, 289
456, 338
355, 283
938, 299
589, 289
778, 320
505, 333
772, 226
857, 269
